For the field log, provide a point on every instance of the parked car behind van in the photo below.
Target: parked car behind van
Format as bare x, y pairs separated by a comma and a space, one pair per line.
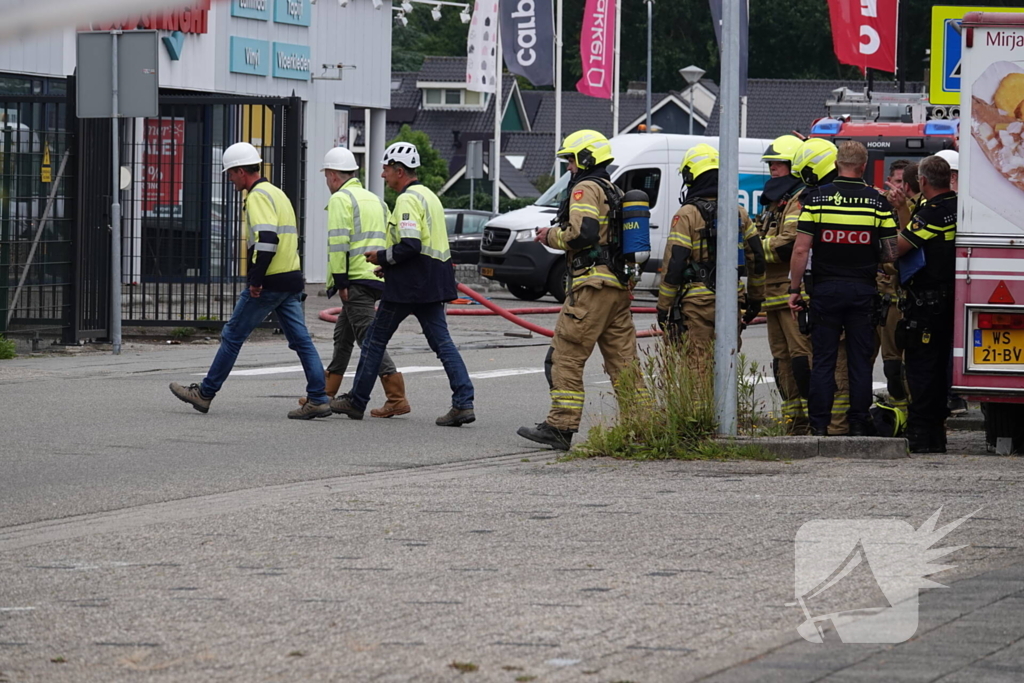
465, 232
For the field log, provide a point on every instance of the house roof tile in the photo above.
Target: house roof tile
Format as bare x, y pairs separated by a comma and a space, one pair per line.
443, 70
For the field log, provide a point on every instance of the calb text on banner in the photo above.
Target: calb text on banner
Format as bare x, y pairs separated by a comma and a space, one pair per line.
528, 39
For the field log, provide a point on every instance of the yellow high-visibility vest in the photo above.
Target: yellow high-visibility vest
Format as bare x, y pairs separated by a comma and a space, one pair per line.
357, 222
268, 209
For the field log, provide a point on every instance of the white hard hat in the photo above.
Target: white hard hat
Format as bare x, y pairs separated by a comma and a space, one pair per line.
241, 154
952, 158
404, 153
340, 159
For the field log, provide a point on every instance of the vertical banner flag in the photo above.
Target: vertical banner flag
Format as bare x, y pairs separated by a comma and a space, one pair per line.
716, 19
528, 39
864, 33
482, 47
597, 49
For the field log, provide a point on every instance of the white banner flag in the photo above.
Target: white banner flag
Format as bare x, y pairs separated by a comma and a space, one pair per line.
482, 47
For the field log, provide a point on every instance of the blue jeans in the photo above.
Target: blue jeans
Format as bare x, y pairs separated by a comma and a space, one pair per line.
837, 307
249, 313
435, 328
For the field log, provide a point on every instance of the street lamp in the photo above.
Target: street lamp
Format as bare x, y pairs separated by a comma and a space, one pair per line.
692, 74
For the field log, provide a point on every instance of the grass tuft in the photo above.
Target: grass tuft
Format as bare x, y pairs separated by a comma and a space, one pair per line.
667, 410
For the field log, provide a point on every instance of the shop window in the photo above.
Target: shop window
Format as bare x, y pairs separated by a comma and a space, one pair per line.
15, 85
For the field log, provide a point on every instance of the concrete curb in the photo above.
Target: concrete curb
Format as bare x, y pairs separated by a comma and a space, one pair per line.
851, 447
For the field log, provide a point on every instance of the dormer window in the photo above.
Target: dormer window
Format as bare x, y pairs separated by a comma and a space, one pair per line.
437, 97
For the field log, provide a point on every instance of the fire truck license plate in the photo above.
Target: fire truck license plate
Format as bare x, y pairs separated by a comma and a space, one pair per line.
999, 347
487, 272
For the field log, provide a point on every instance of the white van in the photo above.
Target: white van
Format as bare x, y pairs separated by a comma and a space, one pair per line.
642, 162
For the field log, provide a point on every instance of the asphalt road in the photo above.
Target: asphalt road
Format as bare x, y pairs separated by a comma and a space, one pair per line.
93, 432
142, 540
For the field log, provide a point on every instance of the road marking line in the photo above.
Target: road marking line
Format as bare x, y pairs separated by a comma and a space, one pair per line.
298, 368
509, 372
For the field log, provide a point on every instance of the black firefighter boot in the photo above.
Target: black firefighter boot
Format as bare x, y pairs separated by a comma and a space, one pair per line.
559, 439
919, 439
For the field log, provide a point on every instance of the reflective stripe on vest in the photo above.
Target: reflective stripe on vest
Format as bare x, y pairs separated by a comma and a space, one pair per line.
433, 231
357, 224
268, 209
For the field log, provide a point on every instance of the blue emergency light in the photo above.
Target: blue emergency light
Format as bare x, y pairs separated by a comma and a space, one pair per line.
942, 127
827, 127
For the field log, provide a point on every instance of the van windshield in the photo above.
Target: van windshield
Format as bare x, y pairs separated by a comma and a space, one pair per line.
554, 195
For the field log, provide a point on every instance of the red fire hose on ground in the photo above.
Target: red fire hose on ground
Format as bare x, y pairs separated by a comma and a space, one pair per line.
330, 315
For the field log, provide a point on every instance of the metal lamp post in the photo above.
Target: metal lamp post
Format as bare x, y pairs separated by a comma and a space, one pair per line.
692, 74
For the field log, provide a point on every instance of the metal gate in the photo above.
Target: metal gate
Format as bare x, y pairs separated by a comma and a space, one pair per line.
37, 211
183, 251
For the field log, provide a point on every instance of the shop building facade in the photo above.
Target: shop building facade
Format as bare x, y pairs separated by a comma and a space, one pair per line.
250, 70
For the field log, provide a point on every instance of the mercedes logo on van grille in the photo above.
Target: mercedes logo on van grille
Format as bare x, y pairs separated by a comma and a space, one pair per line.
488, 238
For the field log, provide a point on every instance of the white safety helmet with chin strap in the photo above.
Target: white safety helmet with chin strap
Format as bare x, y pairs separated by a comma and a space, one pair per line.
404, 153
240, 154
340, 159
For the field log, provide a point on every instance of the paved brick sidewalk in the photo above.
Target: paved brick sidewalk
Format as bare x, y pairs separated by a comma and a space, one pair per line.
580, 571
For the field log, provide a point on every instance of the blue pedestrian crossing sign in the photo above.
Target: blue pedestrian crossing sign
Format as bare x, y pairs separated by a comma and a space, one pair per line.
951, 55
947, 51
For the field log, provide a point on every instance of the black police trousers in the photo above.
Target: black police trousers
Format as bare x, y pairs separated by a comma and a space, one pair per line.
926, 358
839, 306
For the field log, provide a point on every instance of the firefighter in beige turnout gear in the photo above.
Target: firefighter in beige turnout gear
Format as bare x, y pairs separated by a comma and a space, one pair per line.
791, 350
596, 309
690, 256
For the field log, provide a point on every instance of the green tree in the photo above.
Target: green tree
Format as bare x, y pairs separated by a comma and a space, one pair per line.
433, 170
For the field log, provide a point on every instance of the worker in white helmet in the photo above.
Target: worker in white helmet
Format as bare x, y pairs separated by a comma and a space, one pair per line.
275, 285
357, 223
416, 264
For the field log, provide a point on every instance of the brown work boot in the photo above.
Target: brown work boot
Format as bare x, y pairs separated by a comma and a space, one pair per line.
394, 389
192, 395
333, 381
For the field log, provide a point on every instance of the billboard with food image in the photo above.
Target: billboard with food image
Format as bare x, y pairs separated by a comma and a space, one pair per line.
994, 162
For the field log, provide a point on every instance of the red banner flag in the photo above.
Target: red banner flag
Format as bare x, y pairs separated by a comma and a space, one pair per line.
864, 33
597, 49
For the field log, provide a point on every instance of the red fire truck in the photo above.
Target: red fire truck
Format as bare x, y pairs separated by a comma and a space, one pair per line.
891, 125
988, 348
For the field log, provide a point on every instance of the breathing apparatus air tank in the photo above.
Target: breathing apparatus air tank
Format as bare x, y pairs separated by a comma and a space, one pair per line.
636, 226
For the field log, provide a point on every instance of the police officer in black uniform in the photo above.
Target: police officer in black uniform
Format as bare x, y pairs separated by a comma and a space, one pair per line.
926, 333
851, 228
